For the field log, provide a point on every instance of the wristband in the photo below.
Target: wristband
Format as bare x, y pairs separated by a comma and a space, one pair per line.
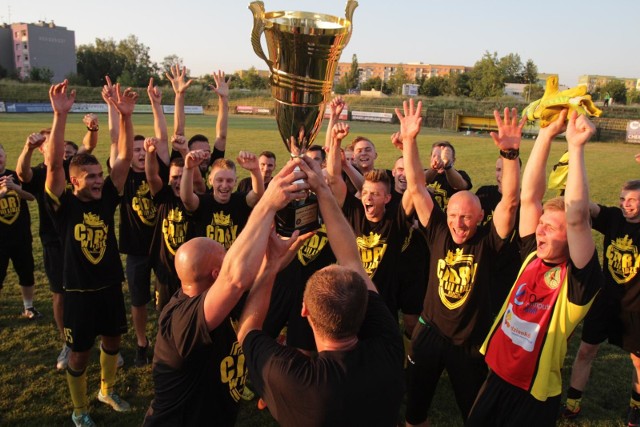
95, 129
510, 154
448, 167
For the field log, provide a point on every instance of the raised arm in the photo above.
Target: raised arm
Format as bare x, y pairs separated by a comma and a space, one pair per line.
222, 89
454, 178
245, 257
124, 102
23, 167
576, 195
61, 102
151, 167
507, 139
534, 177
191, 163
177, 79
335, 107
109, 91
410, 122
249, 161
159, 122
339, 131
90, 140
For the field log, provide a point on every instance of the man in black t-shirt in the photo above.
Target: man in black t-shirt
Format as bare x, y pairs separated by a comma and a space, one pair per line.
267, 164
615, 314
199, 368
92, 271
442, 176
15, 235
454, 319
221, 215
359, 346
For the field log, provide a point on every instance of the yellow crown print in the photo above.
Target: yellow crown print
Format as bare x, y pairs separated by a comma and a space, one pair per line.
92, 220
221, 219
143, 189
175, 215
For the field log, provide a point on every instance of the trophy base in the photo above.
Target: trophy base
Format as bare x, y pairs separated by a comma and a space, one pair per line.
299, 215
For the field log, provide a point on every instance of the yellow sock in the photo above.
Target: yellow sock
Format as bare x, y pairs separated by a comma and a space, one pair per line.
573, 404
634, 403
108, 368
77, 382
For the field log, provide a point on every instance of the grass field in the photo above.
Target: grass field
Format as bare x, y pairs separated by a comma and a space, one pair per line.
34, 393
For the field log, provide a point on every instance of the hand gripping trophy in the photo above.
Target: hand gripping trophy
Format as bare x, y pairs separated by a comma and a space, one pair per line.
304, 50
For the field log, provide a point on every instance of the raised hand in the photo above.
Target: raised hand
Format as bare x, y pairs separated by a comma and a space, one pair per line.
340, 131
556, 127
410, 120
150, 144
177, 78
509, 132
579, 129
336, 106
222, 84
179, 143
446, 156
125, 101
35, 140
155, 95
396, 140
436, 158
108, 90
61, 99
286, 186
90, 120
248, 161
195, 158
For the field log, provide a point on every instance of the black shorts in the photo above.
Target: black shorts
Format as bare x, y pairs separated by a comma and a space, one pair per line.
138, 272
606, 321
502, 404
167, 283
92, 313
21, 255
431, 353
53, 260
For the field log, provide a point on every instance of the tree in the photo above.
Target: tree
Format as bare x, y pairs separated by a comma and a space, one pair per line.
434, 86
511, 68
99, 60
168, 62
633, 97
617, 90
458, 84
138, 66
352, 77
530, 73
486, 79
532, 92
397, 79
41, 74
373, 83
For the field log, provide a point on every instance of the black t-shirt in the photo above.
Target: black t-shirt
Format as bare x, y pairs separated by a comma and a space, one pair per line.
359, 387
620, 257
91, 258
442, 190
138, 214
47, 231
199, 375
458, 295
15, 220
380, 246
221, 222
489, 198
172, 229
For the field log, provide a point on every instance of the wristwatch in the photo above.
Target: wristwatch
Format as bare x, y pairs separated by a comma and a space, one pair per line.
510, 154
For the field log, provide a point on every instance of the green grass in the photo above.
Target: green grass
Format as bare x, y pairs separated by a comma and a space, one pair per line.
34, 393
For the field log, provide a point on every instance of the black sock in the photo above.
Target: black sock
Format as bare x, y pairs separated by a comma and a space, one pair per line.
572, 393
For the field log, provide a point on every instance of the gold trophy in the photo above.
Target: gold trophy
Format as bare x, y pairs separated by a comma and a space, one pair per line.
304, 50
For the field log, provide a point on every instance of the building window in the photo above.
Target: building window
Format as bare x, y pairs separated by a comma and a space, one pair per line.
26, 57
24, 45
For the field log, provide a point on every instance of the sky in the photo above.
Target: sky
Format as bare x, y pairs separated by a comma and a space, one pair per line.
566, 37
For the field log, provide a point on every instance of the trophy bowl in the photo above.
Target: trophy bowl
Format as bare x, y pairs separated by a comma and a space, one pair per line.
304, 49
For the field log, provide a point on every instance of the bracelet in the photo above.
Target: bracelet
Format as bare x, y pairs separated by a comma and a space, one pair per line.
448, 167
510, 154
95, 129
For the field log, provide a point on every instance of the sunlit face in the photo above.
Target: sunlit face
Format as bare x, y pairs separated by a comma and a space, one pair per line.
137, 162
364, 155
222, 182
400, 178
499, 173
348, 156
87, 181
175, 177
374, 199
551, 237
630, 205
69, 151
267, 165
463, 216
204, 146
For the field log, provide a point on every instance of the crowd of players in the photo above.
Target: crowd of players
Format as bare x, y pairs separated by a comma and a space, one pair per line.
489, 285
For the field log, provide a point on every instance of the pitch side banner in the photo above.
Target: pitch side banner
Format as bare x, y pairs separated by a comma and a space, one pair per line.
188, 109
633, 131
344, 115
371, 117
2, 109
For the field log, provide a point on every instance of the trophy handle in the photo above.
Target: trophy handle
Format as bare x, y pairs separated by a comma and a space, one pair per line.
351, 6
257, 7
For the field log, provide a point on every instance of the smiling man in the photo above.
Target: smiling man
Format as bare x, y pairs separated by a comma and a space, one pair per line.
455, 318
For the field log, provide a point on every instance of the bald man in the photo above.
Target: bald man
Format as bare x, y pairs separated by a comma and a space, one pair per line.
198, 365
455, 317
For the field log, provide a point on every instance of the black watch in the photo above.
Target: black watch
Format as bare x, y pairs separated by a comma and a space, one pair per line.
511, 154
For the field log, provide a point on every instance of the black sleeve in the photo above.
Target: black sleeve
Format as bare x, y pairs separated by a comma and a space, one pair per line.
467, 178
215, 155
378, 321
584, 283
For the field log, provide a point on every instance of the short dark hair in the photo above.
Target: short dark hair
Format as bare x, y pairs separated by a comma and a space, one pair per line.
83, 159
316, 147
268, 154
379, 175
177, 162
632, 185
197, 137
73, 144
361, 138
336, 298
443, 144
138, 137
